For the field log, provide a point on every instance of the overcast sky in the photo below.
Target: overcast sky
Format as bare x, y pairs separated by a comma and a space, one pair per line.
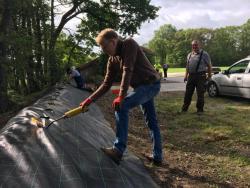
195, 14
191, 14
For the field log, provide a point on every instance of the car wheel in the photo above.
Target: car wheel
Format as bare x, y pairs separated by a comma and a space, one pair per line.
212, 90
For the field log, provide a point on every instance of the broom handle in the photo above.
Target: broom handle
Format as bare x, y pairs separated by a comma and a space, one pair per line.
75, 112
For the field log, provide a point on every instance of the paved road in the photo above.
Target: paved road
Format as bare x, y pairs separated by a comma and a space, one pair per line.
173, 83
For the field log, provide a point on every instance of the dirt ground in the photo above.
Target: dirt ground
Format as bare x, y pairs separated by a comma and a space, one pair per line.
180, 169
208, 151
172, 173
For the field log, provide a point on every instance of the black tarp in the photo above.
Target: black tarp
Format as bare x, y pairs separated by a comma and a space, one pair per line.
68, 153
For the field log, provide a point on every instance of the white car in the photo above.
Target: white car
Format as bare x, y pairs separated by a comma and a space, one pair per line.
235, 81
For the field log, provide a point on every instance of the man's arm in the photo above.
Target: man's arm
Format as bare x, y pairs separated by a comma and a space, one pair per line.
108, 80
209, 70
187, 68
209, 65
69, 76
186, 75
129, 57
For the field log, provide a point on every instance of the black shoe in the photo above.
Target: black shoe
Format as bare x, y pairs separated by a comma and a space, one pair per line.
113, 154
200, 112
182, 112
150, 158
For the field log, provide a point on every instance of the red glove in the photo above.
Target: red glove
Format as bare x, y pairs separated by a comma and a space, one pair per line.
117, 102
86, 102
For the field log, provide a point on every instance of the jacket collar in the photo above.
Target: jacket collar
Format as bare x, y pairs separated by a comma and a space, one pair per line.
119, 48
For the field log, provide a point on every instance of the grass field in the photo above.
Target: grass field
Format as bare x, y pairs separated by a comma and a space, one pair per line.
212, 150
215, 145
224, 68
178, 70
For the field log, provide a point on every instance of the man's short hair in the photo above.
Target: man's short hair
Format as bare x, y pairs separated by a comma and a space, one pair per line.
106, 34
196, 42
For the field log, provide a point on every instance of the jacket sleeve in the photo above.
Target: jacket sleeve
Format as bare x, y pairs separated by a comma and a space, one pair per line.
108, 80
129, 53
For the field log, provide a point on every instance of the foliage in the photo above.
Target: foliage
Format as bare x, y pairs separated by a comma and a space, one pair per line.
161, 43
35, 51
225, 45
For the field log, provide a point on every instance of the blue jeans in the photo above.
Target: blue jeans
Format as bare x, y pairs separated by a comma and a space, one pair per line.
143, 96
79, 81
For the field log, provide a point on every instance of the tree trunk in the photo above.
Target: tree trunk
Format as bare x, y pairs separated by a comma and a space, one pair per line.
53, 70
4, 27
54, 34
38, 51
32, 84
45, 47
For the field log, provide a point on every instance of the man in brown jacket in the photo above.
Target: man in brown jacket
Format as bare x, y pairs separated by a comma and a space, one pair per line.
127, 57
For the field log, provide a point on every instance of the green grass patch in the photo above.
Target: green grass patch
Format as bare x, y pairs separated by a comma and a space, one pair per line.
176, 70
221, 135
224, 68
182, 70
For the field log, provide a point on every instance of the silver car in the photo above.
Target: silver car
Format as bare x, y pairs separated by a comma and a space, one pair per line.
235, 81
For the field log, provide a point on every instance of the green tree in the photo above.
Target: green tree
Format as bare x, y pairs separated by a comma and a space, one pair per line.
34, 50
182, 44
5, 17
123, 15
223, 46
162, 43
244, 43
71, 51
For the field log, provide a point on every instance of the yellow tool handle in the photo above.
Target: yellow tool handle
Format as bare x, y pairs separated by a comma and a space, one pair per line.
75, 111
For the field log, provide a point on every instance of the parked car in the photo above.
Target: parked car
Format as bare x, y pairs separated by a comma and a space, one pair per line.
235, 81
216, 70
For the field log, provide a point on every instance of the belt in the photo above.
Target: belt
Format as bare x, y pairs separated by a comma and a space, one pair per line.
147, 82
198, 73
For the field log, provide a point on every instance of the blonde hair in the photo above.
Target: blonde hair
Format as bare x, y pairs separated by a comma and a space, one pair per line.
106, 34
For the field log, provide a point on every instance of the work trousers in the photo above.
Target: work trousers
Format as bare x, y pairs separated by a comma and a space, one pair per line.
142, 96
195, 81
